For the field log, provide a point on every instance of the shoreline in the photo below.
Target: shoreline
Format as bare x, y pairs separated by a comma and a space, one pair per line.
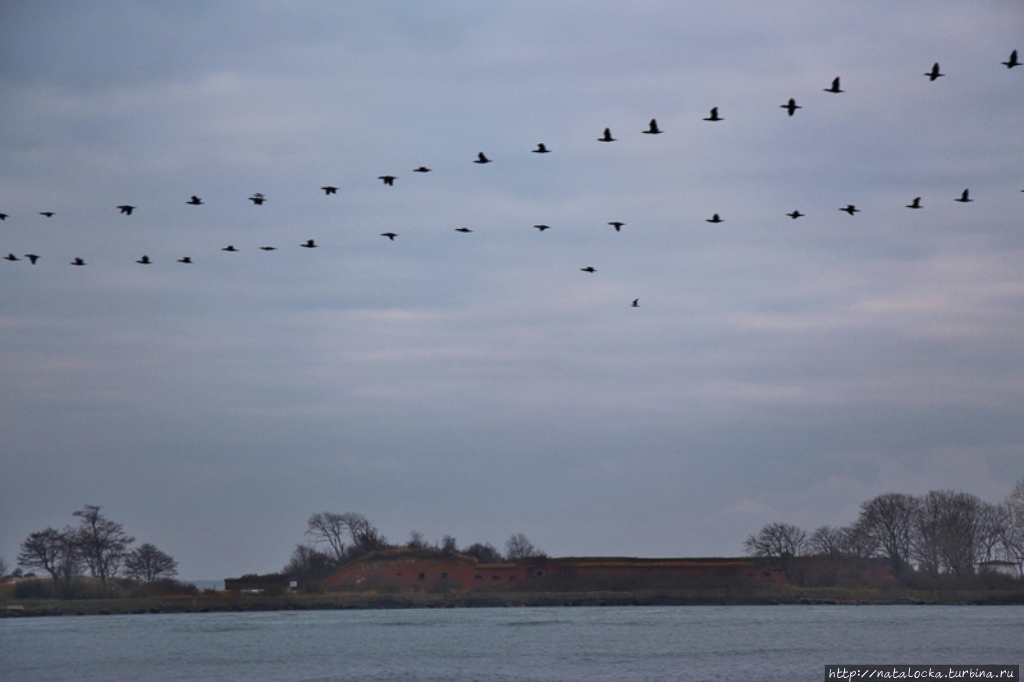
222, 602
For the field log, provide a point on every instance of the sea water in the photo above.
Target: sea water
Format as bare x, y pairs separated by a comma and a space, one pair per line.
748, 643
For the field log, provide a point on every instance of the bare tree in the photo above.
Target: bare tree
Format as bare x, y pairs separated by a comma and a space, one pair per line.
827, 541
484, 552
365, 536
778, 541
149, 564
309, 564
416, 540
858, 542
333, 528
3, 568
953, 532
56, 552
1013, 533
449, 545
329, 528
518, 546
889, 519
103, 543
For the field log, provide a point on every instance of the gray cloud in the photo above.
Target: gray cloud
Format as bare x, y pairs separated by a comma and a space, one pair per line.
479, 384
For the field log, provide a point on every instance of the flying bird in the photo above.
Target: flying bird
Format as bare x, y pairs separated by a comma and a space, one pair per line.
268, 248
421, 169
389, 235
388, 179
257, 199
229, 247
714, 115
32, 258
543, 227
850, 208
78, 261
617, 225
1012, 61
715, 219
309, 244
194, 201
126, 209
934, 73
916, 203
835, 86
329, 189
635, 303
463, 229
144, 261
795, 214
541, 149
3, 216
607, 137
481, 158
652, 128
588, 269
11, 257
48, 214
964, 197
791, 106
185, 259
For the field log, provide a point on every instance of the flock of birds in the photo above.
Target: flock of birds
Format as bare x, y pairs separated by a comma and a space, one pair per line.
258, 199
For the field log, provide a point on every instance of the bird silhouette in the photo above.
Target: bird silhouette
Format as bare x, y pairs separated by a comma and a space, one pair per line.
652, 128
194, 201
126, 209
835, 86
791, 106
309, 244
795, 214
588, 269
463, 229
11, 257
78, 261
850, 208
916, 203
185, 259
607, 137
1012, 61
144, 261
964, 197
3, 216
48, 214
257, 199
715, 219
543, 227
635, 303
934, 73
268, 248
329, 189
389, 235
541, 149
617, 225
229, 247
32, 258
388, 179
481, 158
713, 116
421, 169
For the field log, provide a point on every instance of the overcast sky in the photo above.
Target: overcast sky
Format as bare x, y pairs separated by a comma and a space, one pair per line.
479, 384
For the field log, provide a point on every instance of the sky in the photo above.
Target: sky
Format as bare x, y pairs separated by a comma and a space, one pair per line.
479, 384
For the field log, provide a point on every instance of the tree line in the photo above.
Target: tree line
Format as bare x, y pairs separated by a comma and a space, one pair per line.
336, 539
98, 546
938, 534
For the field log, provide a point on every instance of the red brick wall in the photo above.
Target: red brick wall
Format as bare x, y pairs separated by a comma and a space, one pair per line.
416, 570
